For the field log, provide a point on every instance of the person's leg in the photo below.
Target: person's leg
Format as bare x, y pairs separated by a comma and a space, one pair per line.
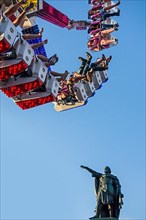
59, 79
97, 6
70, 88
96, 1
108, 59
106, 1
95, 42
108, 26
112, 6
42, 58
37, 45
110, 14
108, 31
104, 63
62, 75
97, 68
94, 46
83, 63
89, 75
78, 77
95, 31
107, 42
95, 22
86, 67
98, 64
33, 36
2, 9
12, 9
8, 2
96, 16
22, 15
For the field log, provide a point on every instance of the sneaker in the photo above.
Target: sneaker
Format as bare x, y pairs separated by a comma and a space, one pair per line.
65, 74
115, 27
53, 59
116, 40
109, 59
103, 57
118, 13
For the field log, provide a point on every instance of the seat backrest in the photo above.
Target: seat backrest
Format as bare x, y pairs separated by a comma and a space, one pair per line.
7, 30
24, 51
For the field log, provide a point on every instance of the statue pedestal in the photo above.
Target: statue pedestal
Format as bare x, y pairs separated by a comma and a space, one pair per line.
107, 218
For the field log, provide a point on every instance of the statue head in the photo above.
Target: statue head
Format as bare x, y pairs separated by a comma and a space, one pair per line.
107, 170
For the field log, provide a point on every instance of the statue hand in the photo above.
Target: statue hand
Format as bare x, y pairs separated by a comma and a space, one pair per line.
82, 166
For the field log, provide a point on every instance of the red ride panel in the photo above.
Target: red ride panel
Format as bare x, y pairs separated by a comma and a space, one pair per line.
53, 15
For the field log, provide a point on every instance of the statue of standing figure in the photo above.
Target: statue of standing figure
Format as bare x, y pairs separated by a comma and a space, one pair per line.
108, 194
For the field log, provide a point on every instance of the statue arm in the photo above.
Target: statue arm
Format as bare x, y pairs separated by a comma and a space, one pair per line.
94, 173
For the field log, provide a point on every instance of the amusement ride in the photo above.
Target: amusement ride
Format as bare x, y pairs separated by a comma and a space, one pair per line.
26, 74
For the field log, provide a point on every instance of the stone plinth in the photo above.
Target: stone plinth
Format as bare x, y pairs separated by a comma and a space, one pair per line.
107, 218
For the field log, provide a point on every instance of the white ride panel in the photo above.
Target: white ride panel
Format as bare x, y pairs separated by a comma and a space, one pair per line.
96, 78
7, 30
80, 92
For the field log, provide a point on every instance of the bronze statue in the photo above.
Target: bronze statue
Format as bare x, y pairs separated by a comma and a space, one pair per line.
108, 193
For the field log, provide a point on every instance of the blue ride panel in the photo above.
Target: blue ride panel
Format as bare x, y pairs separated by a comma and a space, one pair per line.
35, 30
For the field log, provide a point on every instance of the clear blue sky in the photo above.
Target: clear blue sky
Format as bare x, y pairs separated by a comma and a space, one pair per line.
42, 150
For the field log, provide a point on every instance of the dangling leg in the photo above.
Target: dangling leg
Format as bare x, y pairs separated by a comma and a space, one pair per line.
110, 14
71, 91
22, 15
108, 31
43, 58
108, 60
107, 42
83, 63
12, 9
33, 36
37, 45
111, 6
77, 77
86, 67
105, 1
62, 75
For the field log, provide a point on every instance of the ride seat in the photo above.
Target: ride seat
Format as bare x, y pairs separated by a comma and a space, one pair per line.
97, 81
80, 92
8, 34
